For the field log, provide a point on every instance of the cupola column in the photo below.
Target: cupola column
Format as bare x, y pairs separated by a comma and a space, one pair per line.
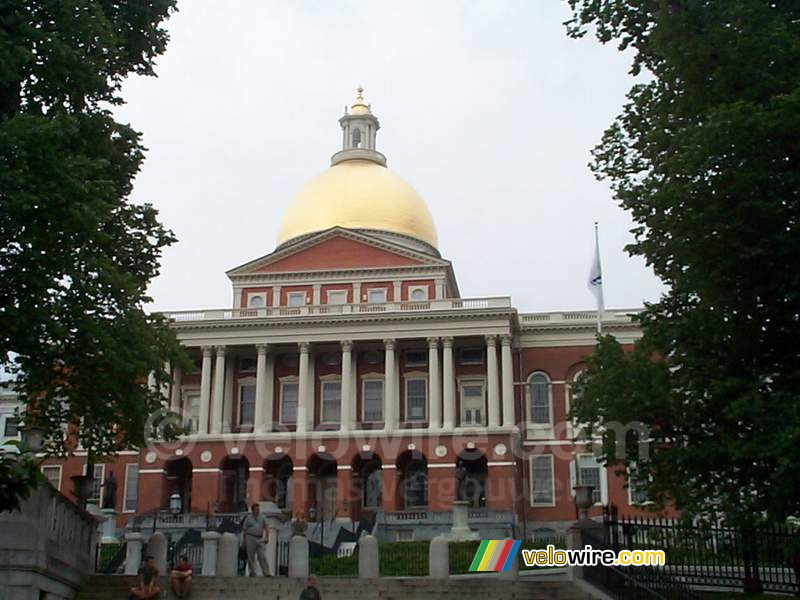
492, 381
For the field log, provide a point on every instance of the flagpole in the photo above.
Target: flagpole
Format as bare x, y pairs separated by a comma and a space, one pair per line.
600, 306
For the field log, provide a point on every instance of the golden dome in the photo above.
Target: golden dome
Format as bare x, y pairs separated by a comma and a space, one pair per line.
358, 194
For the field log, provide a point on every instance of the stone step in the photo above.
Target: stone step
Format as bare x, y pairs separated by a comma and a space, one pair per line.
282, 588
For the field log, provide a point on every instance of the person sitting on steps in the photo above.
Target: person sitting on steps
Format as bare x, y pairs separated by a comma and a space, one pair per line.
148, 575
181, 578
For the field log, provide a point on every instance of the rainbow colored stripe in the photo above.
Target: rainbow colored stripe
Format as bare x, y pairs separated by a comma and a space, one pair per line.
495, 555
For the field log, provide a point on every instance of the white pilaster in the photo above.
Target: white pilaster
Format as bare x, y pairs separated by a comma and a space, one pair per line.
492, 382
303, 389
448, 384
316, 288
205, 391
175, 400
389, 397
261, 387
439, 289
219, 390
276, 295
357, 293
348, 398
507, 381
434, 385
397, 291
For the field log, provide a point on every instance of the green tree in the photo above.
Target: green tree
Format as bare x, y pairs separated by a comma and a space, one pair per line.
76, 256
706, 157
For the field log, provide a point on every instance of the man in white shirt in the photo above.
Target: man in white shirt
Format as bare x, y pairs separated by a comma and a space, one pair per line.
255, 534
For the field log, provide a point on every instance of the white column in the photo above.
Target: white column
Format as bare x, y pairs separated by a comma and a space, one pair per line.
230, 396
316, 294
389, 397
205, 391
357, 293
219, 389
302, 389
448, 384
276, 295
507, 371
492, 382
261, 386
397, 291
439, 289
348, 398
175, 400
434, 385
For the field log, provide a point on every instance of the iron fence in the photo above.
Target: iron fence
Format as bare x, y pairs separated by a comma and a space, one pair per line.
461, 555
335, 564
404, 559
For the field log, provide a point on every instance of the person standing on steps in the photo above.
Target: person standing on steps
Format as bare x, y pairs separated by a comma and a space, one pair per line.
255, 533
311, 592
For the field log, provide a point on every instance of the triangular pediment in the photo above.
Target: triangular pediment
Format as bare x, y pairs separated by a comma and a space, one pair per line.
337, 249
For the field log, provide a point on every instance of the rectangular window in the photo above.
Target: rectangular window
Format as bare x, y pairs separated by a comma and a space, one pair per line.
248, 365
373, 400
297, 298
289, 402
191, 404
247, 404
337, 297
542, 480
11, 427
471, 356
96, 494
472, 404
416, 399
53, 475
416, 358
589, 474
376, 296
539, 390
131, 488
331, 401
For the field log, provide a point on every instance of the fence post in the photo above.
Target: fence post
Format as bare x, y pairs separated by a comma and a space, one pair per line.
369, 561
228, 556
513, 571
133, 554
157, 548
298, 556
439, 558
210, 542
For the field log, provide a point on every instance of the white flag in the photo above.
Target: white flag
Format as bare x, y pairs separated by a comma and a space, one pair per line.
595, 282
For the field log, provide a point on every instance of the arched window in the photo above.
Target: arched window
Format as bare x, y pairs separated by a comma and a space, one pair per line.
356, 137
414, 477
539, 399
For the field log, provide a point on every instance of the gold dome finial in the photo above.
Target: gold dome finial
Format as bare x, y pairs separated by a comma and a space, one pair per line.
360, 108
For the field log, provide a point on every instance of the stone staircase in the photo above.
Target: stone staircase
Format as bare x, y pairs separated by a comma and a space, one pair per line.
481, 587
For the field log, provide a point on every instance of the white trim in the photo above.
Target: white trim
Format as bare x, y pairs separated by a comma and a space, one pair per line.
60, 473
501, 463
388, 466
552, 502
408, 377
343, 468
154, 471
441, 466
205, 470
299, 468
125, 488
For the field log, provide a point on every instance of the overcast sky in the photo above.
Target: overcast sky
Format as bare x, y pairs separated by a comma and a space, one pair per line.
487, 108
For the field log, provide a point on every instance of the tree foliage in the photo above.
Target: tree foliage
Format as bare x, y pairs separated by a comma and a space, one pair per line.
706, 157
76, 256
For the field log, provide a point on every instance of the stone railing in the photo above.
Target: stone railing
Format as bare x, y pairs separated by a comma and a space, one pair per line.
49, 544
476, 516
577, 317
228, 314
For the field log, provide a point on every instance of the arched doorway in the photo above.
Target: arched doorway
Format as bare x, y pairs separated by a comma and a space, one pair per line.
278, 472
322, 472
413, 469
367, 470
179, 481
233, 484
471, 473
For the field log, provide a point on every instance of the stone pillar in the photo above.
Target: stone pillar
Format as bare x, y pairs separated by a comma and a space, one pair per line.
448, 383
434, 385
439, 558
348, 397
492, 382
303, 395
276, 296
157, 548
133, 552
261, 388
210, 543
205, 391
368, 557
109, 530
389, 397
175, 398
357, 293
513, 571
509, 419
228, 558
298, 557
396, 292
219, 390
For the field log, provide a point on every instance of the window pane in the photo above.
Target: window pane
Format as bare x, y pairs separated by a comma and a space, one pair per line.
589, 474
542, 480
331, 401
419, 294
297, 299
540, 399
12, 427
376, 296
338, 297
289, 403
53, 475
192, 407
472, 403
97, 482
131, 487
373, 400
416, 396
247, 404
